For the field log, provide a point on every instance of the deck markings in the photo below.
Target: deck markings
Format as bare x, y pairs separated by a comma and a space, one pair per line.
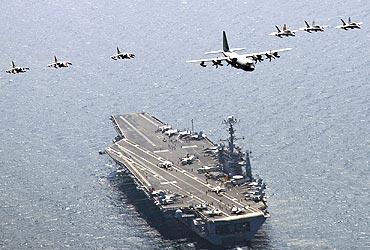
161, 151
190, 176
149, 120
174, 176
138, 131
189, 146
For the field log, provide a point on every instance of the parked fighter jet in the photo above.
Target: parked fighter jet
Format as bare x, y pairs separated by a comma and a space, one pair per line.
245, 62
237, 210
16, 70
58, 64
121, 55
218, 189
166, 164
188, 159
349, 25
283, 32
314, 27
206, 169
164, 128
213, 212
171, 132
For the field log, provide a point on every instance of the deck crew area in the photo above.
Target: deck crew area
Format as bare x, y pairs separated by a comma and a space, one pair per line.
179, 171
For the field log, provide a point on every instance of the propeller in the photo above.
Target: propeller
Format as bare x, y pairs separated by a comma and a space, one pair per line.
217, 63
203, 64
270, 56
257, 58
276, 54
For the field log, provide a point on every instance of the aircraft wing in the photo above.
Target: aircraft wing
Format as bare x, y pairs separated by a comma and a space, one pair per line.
266, 52
208, 59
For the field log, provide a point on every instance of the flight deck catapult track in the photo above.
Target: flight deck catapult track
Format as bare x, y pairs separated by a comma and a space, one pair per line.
208, 187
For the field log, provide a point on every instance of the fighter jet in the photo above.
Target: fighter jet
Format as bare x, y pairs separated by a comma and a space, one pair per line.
218, 190
166, 164
58, 64
121, 55
206, 169
283, 32
314, 27
213, 212
245, 62
171, 132
188, 159
349, 25
16, 70
164, 128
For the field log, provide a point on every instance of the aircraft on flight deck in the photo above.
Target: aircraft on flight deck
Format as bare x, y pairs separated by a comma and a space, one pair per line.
245, 62
16, 70
121, 55
314, 27
349, 25
58, 64
285, 31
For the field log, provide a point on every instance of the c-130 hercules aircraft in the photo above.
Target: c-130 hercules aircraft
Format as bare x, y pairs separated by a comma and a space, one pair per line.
245, 62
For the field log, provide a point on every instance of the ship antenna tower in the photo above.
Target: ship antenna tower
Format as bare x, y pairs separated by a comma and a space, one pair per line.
231, 121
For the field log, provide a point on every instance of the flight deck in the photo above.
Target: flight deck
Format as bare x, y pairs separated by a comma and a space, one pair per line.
184, 174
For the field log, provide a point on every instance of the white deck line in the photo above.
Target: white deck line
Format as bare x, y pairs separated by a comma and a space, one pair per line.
191, 146
185, 173
138, 131
146, 118
175, 177
161, 151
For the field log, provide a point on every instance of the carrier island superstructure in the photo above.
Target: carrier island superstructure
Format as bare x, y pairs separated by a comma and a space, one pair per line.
206, 186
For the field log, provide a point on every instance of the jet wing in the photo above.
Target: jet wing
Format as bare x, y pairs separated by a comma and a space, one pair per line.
209, 59
266, 52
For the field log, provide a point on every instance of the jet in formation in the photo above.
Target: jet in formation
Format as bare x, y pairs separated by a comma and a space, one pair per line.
16, 70
350, 25
121, 55
284, 31
245, 62
59, 64
313, 27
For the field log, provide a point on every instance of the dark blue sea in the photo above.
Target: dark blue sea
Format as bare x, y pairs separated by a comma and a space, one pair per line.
305, 116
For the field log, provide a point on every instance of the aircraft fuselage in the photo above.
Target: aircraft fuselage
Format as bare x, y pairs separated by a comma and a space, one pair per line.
351, 26
239, 61
16, 70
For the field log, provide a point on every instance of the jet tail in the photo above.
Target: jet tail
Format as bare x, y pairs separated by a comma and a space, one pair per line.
225, 43
349, 19
55, 59
118, 51
277, 28
13, 64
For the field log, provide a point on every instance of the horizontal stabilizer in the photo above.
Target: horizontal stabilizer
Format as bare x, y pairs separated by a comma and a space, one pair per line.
214, 52
237, 49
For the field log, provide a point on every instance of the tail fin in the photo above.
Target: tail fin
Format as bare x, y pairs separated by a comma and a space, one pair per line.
313, 23
13, 64
225, 44
277, 28
344, 23
285, 26
307, 24
118, 52
349, 19
55, 59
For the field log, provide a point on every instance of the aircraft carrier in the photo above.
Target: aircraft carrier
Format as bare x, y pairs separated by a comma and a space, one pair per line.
206, 186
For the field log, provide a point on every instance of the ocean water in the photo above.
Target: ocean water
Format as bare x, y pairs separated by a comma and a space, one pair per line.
305, 116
